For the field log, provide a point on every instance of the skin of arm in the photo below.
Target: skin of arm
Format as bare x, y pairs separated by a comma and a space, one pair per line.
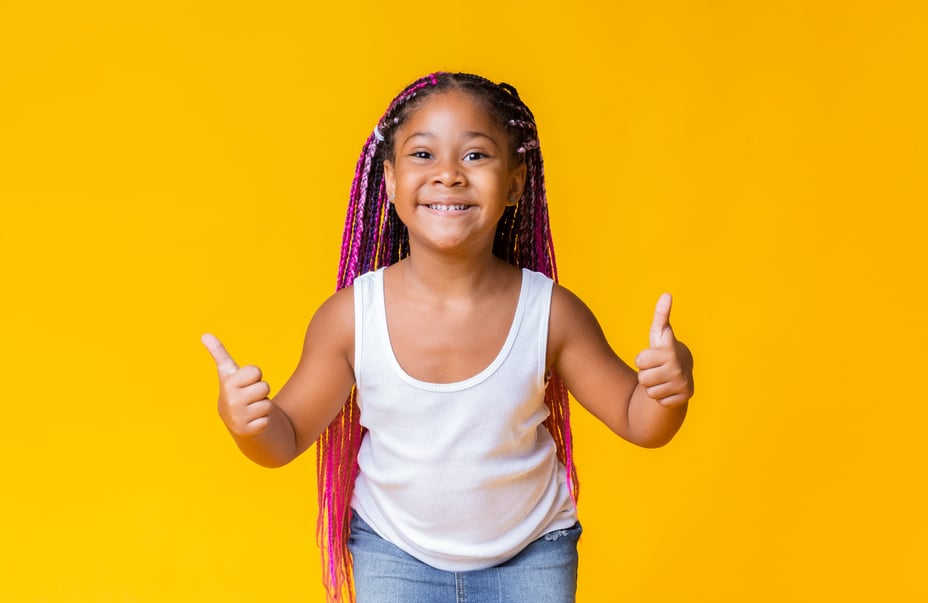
273, 432
646, 408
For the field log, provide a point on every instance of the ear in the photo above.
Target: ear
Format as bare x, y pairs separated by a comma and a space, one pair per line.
389, 178
516, 185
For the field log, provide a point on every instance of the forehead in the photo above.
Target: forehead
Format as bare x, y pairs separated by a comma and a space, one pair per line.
449, 112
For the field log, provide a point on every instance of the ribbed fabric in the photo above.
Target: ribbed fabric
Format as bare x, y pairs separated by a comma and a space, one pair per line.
461, 475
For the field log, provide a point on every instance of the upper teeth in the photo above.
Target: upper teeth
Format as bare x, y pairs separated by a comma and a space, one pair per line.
446, 207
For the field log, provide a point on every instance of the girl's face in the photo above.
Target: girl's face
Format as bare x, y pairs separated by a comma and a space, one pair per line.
452, 174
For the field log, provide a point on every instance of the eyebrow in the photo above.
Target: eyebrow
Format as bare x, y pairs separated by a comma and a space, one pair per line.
467, 136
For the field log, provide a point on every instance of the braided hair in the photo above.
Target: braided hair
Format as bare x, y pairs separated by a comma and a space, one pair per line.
375, 237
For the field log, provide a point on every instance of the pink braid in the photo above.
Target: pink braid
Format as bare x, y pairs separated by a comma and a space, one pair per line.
374, 237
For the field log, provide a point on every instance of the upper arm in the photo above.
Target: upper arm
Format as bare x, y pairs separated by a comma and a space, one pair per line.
580, 355
323, 379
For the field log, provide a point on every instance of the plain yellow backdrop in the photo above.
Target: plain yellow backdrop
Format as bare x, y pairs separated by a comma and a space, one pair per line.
169, 168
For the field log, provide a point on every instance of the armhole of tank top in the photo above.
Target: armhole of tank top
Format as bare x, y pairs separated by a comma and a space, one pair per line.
547, 292
359, 286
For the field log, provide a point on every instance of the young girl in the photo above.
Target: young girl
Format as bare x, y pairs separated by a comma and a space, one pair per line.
434, 381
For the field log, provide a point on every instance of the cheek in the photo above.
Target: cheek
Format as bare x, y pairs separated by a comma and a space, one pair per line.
407, 174
501, 183
405, 182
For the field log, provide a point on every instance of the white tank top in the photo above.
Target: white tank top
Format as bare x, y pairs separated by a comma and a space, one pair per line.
461, 475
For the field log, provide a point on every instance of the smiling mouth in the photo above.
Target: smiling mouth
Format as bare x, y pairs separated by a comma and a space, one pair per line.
443, 207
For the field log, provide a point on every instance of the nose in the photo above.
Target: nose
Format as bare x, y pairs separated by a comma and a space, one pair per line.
448, 172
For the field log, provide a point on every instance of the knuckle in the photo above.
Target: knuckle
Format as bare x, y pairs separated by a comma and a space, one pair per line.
256, 426
237, 426
260, 408
231, 397
247, 374
648, 378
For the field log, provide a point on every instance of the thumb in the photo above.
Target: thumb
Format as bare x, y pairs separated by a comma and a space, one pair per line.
224, 361
660, 326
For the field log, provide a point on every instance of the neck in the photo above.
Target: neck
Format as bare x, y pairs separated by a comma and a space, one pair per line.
451, 275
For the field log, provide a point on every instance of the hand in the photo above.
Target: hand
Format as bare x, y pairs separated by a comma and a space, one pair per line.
243, 397
665, 368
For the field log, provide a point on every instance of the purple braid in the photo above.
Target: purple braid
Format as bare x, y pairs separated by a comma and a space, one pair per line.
374, 237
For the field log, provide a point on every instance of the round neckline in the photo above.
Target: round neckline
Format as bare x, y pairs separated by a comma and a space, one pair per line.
470, 381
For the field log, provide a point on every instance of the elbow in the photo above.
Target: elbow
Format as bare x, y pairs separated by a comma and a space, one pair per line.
275, 461
271, 463
262, 458
659, 434
654, 442
645, 440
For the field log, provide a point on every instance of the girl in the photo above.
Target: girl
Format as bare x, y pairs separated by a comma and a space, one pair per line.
434, 381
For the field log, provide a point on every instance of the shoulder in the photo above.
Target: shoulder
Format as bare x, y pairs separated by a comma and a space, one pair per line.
339, 307
333, 322
570, 319
338, 303
567, 305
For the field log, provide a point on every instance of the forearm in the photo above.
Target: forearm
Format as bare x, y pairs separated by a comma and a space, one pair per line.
275, 445
651, 424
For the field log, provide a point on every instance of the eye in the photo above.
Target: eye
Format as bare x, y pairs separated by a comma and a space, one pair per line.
475, 155
421, 155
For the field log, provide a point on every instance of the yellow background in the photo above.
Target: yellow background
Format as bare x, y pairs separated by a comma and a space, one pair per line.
174, 167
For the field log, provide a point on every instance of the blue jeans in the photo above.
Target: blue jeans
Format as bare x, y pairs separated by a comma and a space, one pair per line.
543, 572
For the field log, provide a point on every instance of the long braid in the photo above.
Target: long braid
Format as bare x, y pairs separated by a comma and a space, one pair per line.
374, 237
537, 253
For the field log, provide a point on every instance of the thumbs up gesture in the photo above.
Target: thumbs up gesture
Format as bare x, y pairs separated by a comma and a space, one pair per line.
665, 369
243, 397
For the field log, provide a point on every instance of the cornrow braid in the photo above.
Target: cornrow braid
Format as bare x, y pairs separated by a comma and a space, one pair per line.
375, 237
